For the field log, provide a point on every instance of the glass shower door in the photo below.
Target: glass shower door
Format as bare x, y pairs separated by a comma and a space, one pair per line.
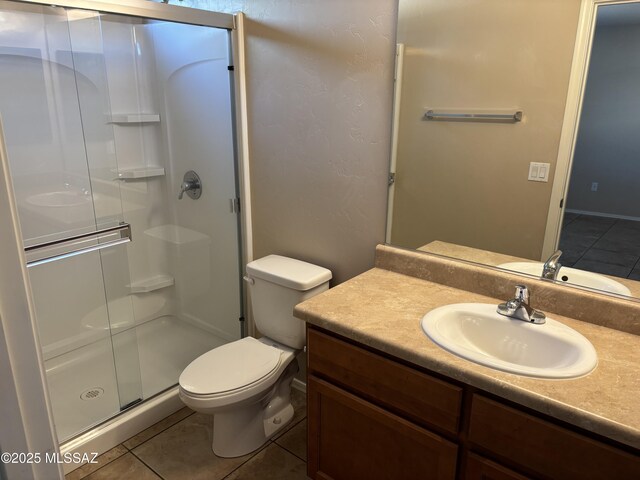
62, 167
104, 114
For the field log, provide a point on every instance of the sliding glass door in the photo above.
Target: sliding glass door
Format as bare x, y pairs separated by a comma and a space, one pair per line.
102, 117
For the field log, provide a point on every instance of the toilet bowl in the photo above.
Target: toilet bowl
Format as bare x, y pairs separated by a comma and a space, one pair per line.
246, 384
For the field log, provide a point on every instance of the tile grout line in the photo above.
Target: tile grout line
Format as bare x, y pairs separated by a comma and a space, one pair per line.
102, 466
285, 433
130, 450
155, 435
291, 427
264, 447
255, 454
614, 252
594, 242
292, 453
633, 268
145, 464
604, 234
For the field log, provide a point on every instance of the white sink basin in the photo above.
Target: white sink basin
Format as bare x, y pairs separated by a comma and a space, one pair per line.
571, 275
475, 331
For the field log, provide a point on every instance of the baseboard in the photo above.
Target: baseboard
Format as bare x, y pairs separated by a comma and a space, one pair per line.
299, 385
599, 214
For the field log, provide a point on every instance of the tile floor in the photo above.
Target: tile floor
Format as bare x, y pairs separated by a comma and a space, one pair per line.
179, 447
601, 244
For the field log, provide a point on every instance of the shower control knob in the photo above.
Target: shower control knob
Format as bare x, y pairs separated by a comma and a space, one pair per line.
191, 185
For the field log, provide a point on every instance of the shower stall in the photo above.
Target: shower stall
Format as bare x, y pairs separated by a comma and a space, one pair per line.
102, 116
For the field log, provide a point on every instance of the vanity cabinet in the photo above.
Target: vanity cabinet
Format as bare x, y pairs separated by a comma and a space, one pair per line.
371, 416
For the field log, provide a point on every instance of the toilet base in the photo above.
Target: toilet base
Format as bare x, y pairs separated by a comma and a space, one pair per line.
239, 431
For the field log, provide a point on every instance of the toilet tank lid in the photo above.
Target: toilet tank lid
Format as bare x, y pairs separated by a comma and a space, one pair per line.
288, 272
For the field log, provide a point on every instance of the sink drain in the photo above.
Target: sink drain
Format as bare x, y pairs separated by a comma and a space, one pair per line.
92, 393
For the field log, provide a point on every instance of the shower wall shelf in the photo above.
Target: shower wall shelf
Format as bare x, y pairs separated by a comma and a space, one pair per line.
133, 173
151, 284
134, 118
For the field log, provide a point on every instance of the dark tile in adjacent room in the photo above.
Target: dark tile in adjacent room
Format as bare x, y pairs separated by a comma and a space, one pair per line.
272, 463
613, 258
628, 224
613, 244
571, 256
597, 219
569, 217
604, 268
623, 233
589, 225
184, 451
577, 241
635, 273
125, 467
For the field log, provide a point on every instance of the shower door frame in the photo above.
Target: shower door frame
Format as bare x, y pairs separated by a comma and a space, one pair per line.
22, 369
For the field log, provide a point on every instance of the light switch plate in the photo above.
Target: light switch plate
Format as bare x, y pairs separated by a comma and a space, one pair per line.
539, 172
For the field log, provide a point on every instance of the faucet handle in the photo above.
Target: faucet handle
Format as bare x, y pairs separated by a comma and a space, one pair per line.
191, 185
522, 294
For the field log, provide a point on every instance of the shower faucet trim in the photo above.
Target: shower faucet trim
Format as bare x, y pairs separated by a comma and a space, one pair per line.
191, 185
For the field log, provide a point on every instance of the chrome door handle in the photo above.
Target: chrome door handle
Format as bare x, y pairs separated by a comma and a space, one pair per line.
124, 229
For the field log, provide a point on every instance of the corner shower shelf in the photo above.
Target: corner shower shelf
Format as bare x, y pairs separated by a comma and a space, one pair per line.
134, 118
151, 284
140, 172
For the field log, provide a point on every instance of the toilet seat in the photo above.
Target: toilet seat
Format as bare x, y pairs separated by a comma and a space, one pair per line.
230, 368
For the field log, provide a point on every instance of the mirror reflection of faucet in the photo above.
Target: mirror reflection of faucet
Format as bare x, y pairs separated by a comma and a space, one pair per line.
191, 185
552, 266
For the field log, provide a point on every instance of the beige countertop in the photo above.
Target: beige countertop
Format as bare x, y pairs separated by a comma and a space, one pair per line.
383, 309
493, 259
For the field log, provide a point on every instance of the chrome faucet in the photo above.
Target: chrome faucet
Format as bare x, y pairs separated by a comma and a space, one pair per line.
191, 185
552, 266
520, 309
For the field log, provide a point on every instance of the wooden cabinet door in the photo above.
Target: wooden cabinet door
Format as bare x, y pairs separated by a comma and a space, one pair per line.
408, 392
543, 448
350, 438
478, 468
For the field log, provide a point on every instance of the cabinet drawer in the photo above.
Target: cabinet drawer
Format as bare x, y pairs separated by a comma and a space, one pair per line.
543, 448
350, 438
422, 398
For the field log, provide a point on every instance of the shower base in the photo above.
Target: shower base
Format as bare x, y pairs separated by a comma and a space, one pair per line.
82, 385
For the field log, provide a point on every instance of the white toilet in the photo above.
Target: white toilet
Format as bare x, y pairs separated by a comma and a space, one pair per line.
246, 384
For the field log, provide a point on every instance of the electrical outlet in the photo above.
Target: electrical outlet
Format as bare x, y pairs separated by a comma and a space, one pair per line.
594, 187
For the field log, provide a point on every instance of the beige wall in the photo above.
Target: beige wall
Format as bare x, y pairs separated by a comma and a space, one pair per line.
608, 144
320, 80
466, 183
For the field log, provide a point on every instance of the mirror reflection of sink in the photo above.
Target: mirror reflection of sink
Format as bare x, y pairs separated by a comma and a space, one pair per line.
573, 276
65, 198
476, 332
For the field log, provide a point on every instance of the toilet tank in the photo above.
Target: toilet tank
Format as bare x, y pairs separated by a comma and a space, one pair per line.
276, 285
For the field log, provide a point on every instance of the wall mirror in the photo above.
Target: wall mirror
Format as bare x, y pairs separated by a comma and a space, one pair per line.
516, 134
